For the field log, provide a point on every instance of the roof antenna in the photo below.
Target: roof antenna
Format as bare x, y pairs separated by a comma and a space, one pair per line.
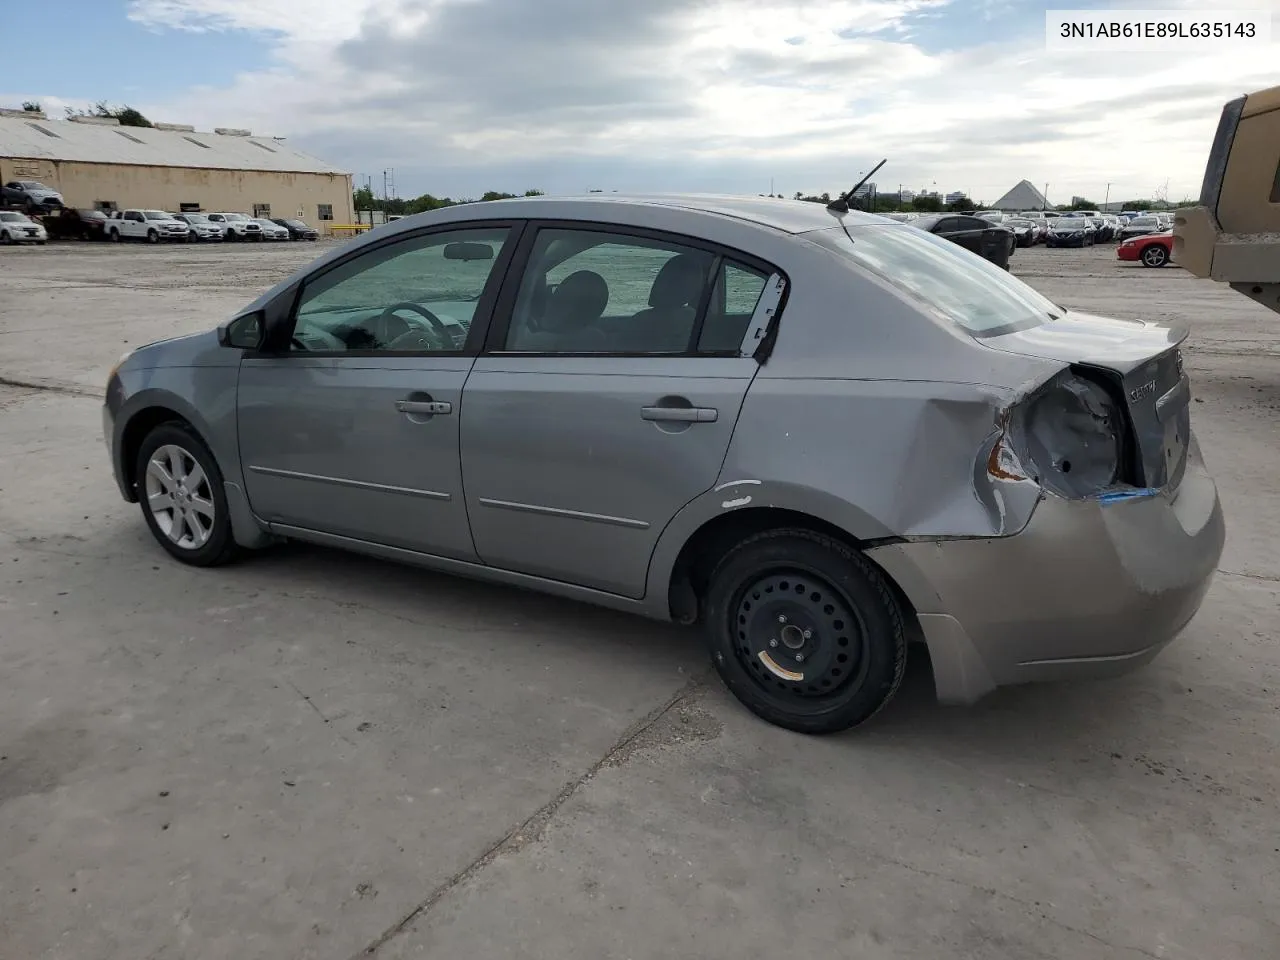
841, 203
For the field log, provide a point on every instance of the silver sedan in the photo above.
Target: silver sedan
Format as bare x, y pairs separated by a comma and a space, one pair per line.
817, 433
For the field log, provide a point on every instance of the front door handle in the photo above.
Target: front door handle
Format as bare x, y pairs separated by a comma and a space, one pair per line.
680, 414
428, 408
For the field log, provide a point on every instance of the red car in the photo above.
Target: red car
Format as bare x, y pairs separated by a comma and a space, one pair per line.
1154, 249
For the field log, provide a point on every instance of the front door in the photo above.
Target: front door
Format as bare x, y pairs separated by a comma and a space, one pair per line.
354, 430
607, 404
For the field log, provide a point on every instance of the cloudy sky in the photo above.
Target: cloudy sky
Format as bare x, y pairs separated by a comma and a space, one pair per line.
461, 96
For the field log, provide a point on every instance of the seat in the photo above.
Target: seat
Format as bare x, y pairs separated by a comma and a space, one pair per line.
566, 322
673, 305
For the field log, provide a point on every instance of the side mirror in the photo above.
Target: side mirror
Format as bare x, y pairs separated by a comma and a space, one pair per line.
244, 333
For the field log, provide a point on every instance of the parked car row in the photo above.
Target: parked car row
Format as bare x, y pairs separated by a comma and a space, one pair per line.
154, 226
23, 220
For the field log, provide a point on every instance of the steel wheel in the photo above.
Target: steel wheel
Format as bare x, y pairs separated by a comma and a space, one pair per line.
799, 636
804, 630
179, 497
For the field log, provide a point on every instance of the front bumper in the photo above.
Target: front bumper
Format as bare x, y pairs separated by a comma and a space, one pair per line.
1086, 589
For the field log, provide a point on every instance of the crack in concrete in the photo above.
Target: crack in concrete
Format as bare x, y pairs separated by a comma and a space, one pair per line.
319, 713
50, 386
1027, 904
1266, 578
532, 827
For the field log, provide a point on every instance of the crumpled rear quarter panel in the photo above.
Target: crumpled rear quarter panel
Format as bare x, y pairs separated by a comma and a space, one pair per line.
908, 457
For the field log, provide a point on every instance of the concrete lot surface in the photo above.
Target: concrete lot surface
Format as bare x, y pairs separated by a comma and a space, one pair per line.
315, 755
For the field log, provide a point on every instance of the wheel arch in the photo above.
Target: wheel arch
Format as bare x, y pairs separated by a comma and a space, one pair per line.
709, 525
148, 409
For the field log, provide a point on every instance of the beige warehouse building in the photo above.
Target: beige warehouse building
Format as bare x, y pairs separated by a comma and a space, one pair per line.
98, 164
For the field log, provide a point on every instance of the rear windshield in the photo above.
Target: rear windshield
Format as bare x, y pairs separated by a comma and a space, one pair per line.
971, 292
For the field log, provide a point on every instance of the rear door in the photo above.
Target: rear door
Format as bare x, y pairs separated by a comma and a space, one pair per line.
606, 398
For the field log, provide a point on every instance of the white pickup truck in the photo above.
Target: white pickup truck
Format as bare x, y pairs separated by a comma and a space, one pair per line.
149, 225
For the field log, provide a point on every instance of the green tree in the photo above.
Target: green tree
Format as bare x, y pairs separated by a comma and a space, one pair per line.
924, 204
535, 193
125, 115
362, 199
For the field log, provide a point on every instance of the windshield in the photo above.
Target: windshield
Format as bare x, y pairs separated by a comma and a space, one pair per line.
12, 217
195, 218
235, 216
156, 215
32, 185
1143, 222
971, 292
297, 224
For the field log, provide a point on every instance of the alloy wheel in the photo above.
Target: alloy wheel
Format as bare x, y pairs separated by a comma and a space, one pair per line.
1154, 256
179, 497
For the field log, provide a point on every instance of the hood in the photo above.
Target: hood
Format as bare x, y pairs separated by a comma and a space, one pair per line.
43, 194
195, 350
1120, 345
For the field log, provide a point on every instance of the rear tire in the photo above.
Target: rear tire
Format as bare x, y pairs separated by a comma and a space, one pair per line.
805, 631
181, 494
1154, 255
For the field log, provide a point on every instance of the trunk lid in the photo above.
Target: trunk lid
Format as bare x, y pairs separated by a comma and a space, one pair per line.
1143, 361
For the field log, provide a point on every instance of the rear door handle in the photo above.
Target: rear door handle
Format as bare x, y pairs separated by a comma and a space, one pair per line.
424, 407
680, 414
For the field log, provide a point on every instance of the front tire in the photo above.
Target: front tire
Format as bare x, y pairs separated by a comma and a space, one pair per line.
805, 631
183, 502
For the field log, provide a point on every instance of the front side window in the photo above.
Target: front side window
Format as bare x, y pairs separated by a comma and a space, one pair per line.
976, 295
587, 291
411, 296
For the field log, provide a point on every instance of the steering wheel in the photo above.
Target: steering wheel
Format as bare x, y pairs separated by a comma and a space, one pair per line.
384, 328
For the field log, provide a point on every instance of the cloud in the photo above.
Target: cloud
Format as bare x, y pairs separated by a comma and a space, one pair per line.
463, 95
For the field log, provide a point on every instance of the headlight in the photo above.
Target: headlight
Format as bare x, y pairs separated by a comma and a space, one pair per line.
1071, 436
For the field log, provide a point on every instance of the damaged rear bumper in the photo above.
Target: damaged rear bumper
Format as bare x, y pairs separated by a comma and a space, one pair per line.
1086, 589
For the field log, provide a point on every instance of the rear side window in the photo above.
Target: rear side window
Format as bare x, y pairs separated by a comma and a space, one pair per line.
971, 292
589, 291
733, 300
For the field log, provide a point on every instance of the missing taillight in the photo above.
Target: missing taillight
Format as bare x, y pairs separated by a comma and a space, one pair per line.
1071, 436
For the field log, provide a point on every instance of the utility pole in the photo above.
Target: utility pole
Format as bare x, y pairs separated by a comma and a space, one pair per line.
1107, 197
1045, 206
